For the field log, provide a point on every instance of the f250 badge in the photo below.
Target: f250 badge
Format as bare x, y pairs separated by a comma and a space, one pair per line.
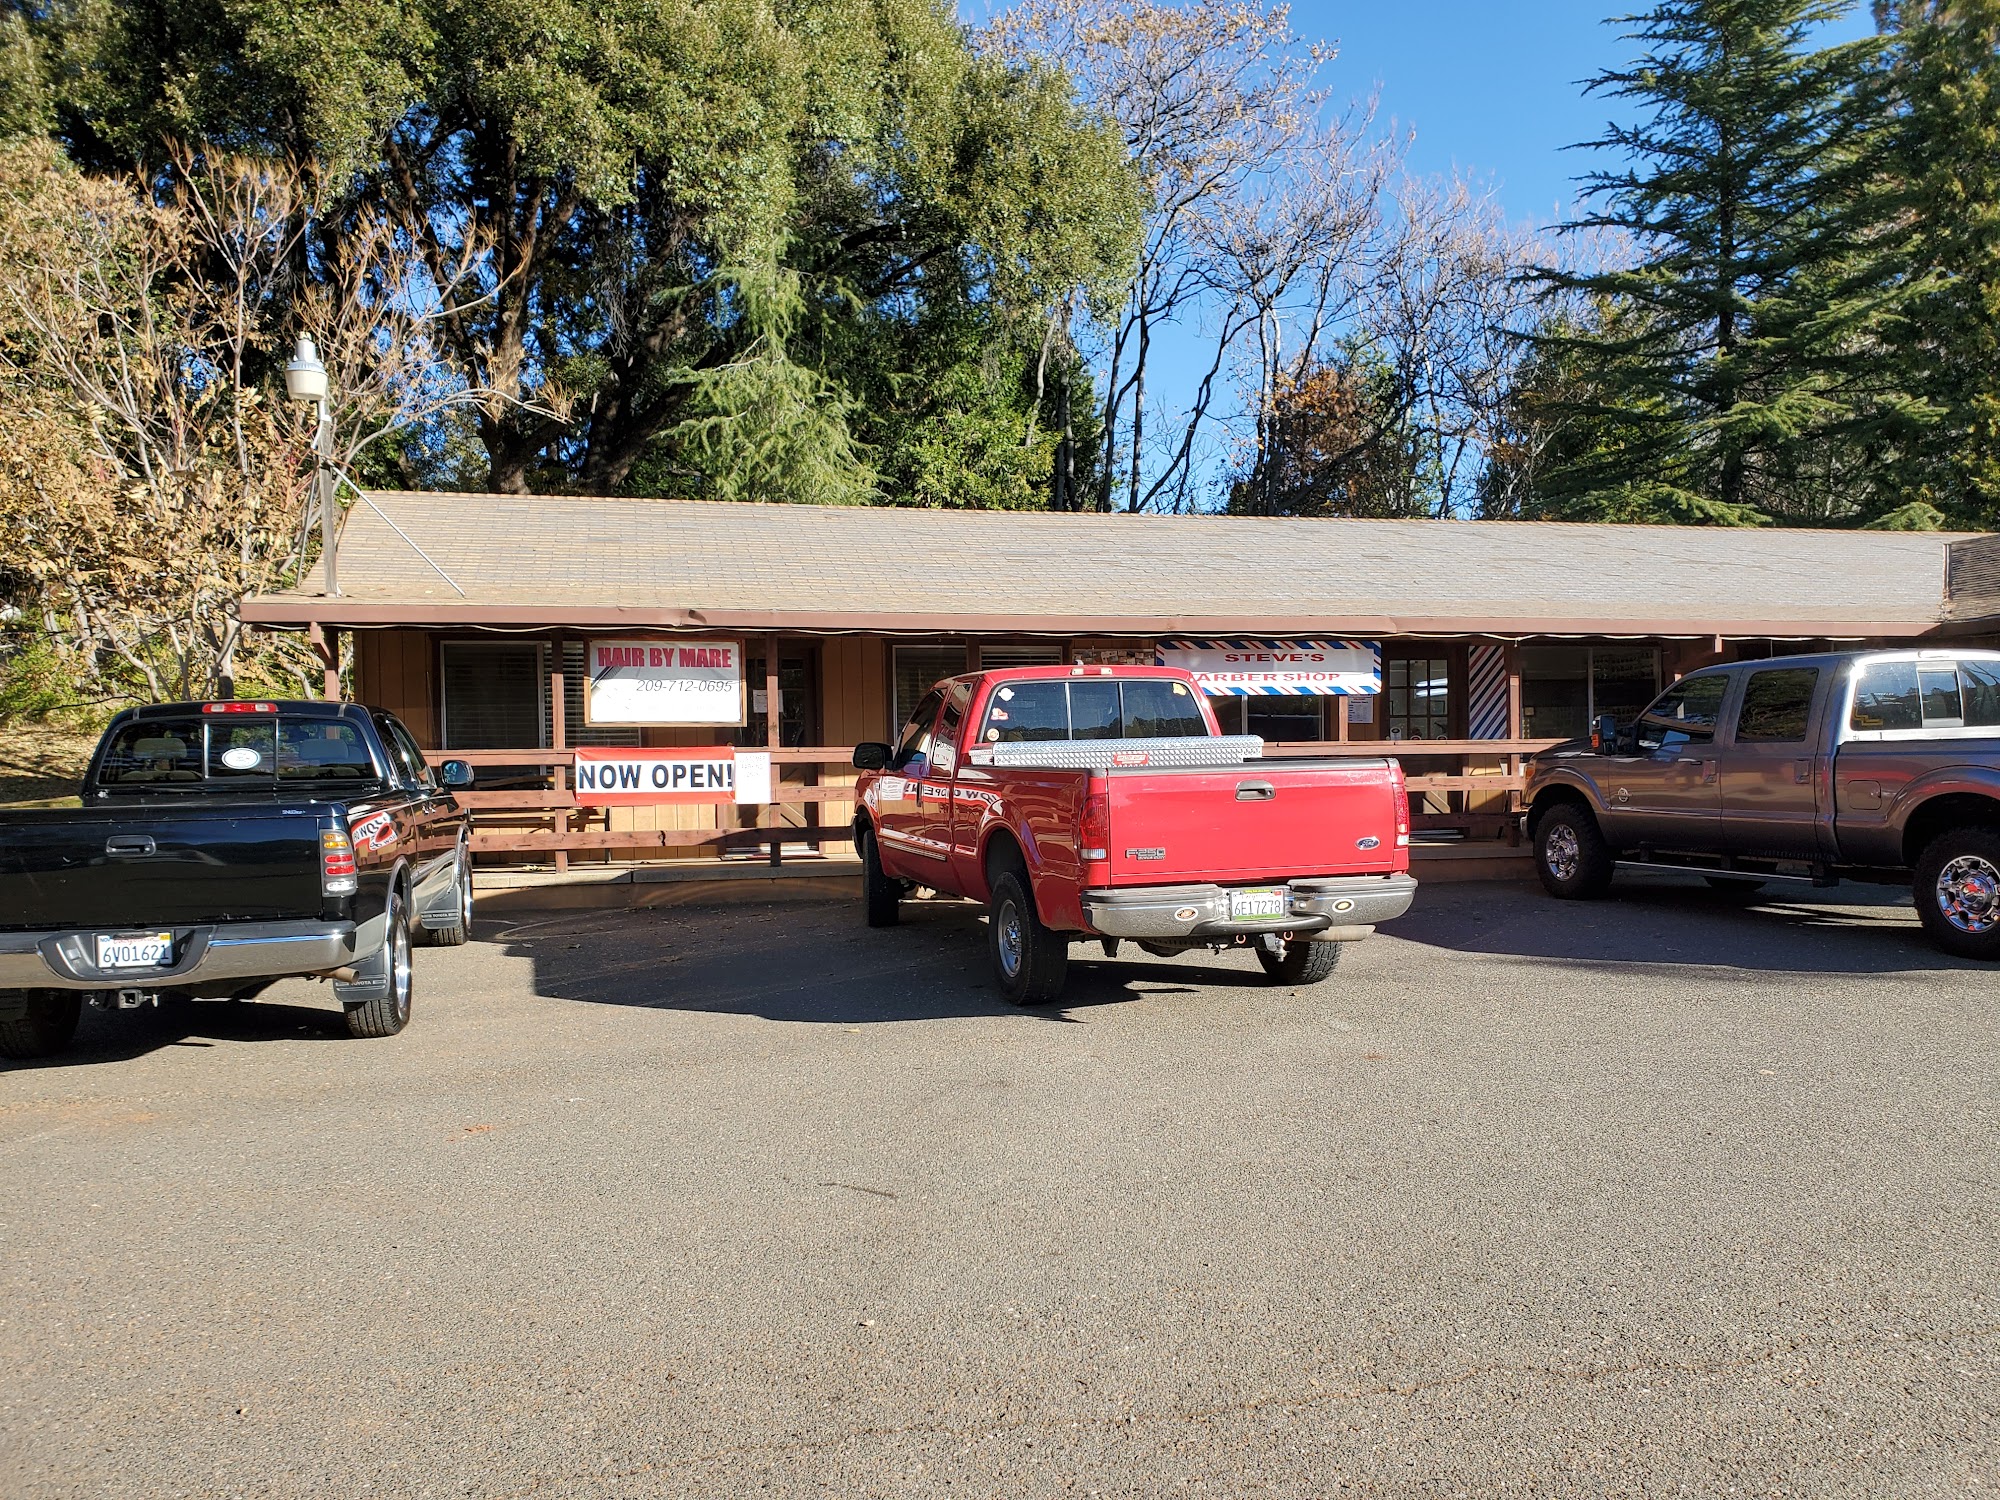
1145, 854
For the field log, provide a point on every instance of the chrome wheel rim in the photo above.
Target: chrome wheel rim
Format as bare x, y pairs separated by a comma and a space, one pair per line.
1968, 893
1562, 851
399, 963
1007, 925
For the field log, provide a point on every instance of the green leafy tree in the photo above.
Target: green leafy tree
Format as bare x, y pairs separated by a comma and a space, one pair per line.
691, 212
1732, 349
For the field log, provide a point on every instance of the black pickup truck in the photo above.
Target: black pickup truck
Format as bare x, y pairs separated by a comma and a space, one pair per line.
221, 846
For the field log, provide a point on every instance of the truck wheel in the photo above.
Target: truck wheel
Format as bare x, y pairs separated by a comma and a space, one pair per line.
1958, 891
1300, 963
455, 935
388, 1012
1031, 960
881, 897
1571, 857
45, 1026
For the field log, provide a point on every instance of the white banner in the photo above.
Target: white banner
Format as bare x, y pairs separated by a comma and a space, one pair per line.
663, 682
635, 778
1272, 668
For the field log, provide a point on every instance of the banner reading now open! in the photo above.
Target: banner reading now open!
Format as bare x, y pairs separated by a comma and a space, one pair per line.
632, 778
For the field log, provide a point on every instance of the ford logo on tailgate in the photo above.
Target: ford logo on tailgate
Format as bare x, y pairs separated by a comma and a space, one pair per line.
1370, 842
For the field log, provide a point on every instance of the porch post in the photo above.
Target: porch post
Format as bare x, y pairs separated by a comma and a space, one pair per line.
559, 739
771, 745
1514, 762
326, 646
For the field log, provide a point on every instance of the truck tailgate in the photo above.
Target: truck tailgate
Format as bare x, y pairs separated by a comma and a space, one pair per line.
156, 863
1263, 820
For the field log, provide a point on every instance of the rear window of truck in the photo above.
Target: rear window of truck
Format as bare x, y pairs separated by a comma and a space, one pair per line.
1091, 709
1914, 695
189, 752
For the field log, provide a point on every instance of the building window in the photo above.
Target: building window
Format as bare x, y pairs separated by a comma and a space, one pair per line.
495, 695
575, 731
1286, 719
917, 670
1418, 690
1565, 688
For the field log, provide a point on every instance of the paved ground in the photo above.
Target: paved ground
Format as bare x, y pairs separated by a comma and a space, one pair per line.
1656, 1197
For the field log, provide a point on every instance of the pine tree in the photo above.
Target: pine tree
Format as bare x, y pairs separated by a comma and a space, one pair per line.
1942, 186
1730, 360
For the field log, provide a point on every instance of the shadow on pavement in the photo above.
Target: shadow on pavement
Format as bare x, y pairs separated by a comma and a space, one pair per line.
818, 964
118, 1036
1660, 920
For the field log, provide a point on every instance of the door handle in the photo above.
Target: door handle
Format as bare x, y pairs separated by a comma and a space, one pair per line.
1708, 767
130, 846
1802, 771
1255, 791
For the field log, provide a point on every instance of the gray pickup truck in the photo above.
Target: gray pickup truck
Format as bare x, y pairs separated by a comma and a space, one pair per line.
1880, 766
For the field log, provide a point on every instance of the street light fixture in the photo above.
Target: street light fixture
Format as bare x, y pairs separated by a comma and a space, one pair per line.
305, 380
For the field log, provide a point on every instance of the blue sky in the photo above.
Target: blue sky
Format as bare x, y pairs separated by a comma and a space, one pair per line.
1490, 86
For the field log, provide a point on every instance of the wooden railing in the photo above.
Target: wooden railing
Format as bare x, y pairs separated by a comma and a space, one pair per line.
548, 821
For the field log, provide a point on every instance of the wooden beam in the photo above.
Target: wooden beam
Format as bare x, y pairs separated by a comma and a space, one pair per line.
326, 646
559, 730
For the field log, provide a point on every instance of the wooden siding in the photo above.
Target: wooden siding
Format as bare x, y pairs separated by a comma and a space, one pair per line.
397, 670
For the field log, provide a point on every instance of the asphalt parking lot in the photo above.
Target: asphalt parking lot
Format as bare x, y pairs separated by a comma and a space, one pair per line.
1668, 1195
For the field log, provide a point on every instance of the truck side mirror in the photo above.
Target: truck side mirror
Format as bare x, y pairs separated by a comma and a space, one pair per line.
456, 775
1604, 734
871, 755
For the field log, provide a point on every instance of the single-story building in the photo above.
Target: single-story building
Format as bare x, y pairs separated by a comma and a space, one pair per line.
475, 619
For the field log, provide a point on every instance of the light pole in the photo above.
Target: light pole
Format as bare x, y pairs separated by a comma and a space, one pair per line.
305, 380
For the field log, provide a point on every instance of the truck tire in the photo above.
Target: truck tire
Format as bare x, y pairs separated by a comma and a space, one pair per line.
1300, 963
388, 1011
1029, 959
1958, 891
881, 897
45, 1027
1571, 857
456, 935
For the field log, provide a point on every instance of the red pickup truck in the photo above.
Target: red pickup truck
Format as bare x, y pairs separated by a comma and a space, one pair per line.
1105, 803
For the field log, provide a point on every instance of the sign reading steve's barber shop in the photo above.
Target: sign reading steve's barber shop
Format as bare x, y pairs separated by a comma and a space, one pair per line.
663, 682
634, 778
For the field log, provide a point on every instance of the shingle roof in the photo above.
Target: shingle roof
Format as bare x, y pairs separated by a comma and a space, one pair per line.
526, 561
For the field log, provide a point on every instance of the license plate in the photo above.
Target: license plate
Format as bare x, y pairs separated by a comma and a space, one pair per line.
141, 950
1245, 905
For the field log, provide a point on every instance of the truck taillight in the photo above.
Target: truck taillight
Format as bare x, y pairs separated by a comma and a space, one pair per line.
1402, 806
336, 863
1096, 824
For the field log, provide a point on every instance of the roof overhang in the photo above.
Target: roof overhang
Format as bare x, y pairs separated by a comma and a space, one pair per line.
295, 611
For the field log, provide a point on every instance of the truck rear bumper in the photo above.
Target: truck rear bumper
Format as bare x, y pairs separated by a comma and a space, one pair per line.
1332, 909
202, 955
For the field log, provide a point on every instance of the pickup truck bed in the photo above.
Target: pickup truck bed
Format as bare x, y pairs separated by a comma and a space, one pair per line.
1175, 841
